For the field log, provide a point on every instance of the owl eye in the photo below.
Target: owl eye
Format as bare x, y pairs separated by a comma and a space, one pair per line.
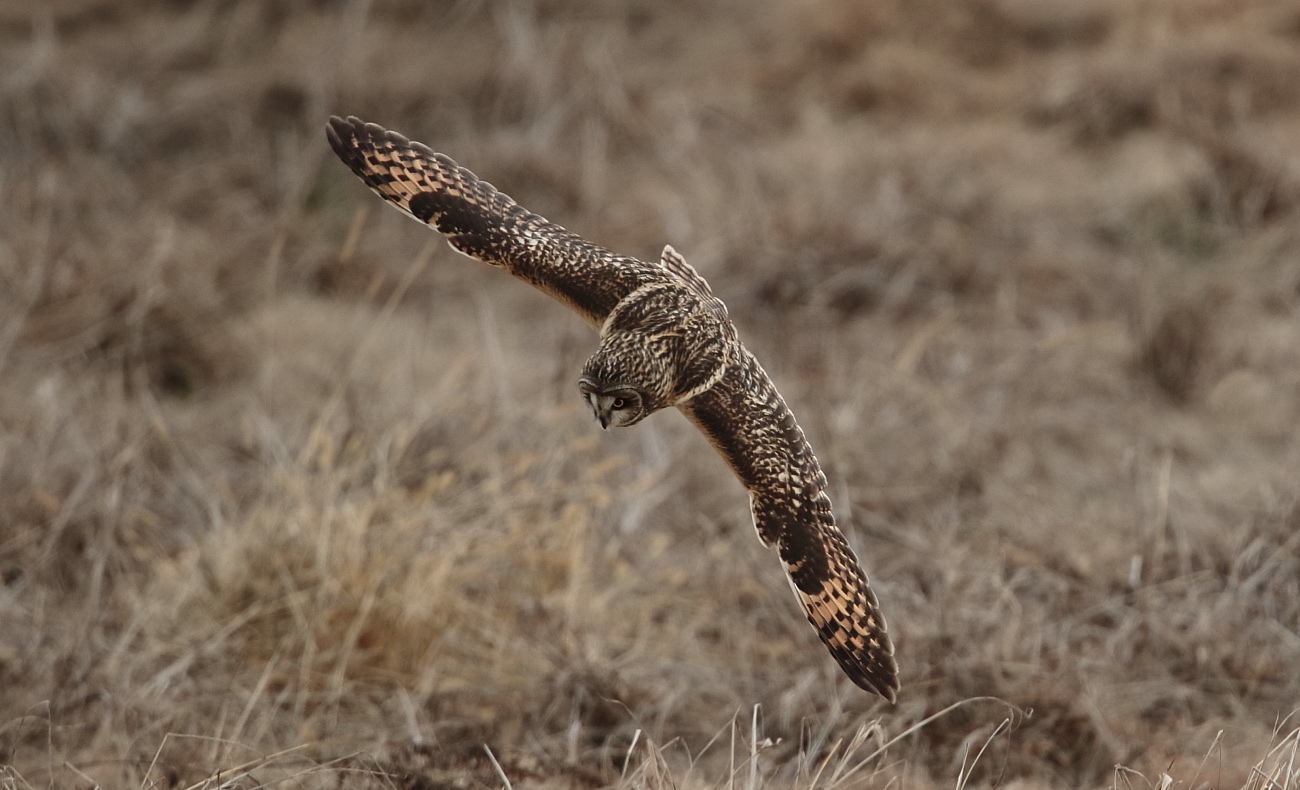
620, 403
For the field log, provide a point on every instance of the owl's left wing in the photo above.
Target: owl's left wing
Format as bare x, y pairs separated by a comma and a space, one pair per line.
487, 224
748, 422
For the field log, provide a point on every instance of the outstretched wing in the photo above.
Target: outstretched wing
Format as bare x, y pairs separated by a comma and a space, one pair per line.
749, 423
673, 261
483, 223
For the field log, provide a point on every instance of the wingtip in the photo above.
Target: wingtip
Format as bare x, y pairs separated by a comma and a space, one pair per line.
889, 690
337, 125
338, 131
344, 132
883, 681
886, 683
869, 663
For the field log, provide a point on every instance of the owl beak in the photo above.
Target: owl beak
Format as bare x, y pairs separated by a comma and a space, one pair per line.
604, 421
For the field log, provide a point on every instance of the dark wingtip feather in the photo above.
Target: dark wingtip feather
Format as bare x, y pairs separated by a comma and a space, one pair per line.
883, 681
875, 671
342, 136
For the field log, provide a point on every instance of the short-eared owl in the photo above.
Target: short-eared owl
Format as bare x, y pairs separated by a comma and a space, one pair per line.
665, 340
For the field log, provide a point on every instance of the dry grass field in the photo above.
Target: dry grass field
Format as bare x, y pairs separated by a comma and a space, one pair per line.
292, 495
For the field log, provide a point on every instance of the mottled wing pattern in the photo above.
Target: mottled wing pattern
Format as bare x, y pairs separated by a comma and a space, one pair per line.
484, 223
673, 261
749, 423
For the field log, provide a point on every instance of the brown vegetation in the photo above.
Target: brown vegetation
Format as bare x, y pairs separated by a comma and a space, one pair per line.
278, 471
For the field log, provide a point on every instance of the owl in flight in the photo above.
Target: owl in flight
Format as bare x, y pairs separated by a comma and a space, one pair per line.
665, 340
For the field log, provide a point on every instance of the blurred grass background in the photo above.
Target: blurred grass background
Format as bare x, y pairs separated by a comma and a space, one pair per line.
277, 469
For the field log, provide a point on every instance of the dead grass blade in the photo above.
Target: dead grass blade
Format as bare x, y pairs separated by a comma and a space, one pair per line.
1279, 769
501, 772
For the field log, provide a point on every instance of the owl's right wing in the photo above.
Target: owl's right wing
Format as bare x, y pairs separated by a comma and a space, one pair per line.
747, 420
486, 224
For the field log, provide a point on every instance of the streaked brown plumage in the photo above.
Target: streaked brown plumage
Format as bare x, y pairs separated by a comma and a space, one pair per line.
665, 340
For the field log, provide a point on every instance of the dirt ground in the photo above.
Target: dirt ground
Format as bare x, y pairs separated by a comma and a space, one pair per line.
293, 495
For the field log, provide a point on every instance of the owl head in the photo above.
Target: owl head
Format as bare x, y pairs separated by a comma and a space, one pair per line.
626, 380
616, 407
